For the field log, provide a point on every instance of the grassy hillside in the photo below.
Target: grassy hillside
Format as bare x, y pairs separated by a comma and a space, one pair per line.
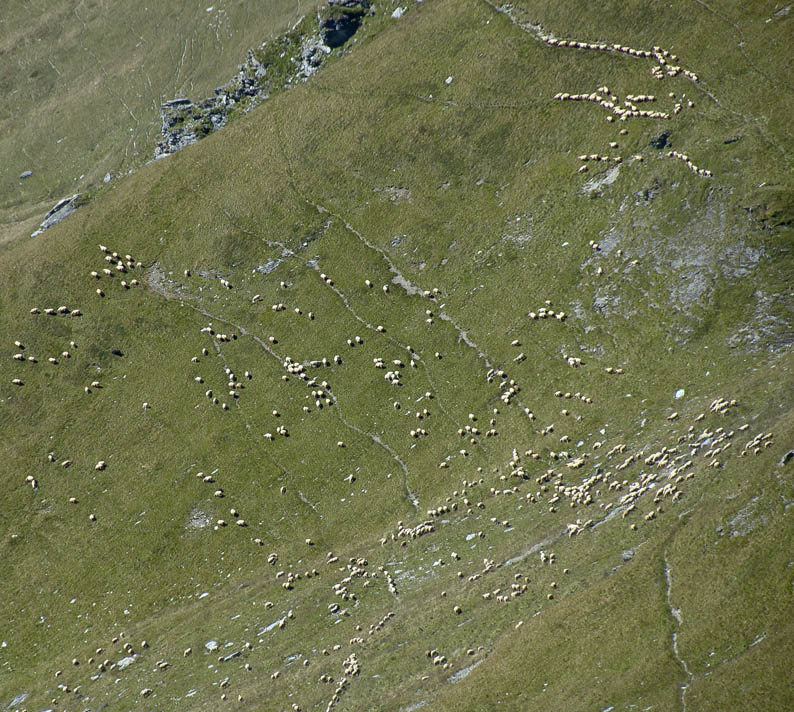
82, 84
342, 336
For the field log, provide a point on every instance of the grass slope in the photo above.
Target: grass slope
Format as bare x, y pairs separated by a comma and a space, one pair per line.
380, 169
83, 83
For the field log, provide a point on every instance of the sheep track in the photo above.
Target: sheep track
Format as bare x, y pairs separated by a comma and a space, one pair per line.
155, 279
676, 614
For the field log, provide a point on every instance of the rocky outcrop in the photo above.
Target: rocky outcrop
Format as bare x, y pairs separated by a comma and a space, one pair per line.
273, 67
341, 22
62, 209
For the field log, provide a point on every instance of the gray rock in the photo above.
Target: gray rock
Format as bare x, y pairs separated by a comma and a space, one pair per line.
339, 28
661, 141
268, 267
25, 174
126, 662
18, 700
232, 656
177, 102
211, 645
62, 209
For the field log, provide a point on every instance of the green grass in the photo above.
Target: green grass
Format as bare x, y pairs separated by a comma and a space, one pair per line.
83, 84
488, 195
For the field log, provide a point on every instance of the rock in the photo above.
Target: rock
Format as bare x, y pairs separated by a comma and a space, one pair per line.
232, 656
18, 700
398, 13
126, 662
788, 457
62, 209
108, 177
661, 140
627, 555
312, 55
340, 25
184, 122
211, 645
176, 102
25, 174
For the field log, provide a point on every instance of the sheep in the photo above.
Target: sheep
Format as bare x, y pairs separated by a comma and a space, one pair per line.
100, 293
35, 310
17, 382
101, 465
19, 357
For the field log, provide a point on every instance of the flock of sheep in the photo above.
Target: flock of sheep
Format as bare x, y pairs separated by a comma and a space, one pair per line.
628, 108
641, 483
619, 485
